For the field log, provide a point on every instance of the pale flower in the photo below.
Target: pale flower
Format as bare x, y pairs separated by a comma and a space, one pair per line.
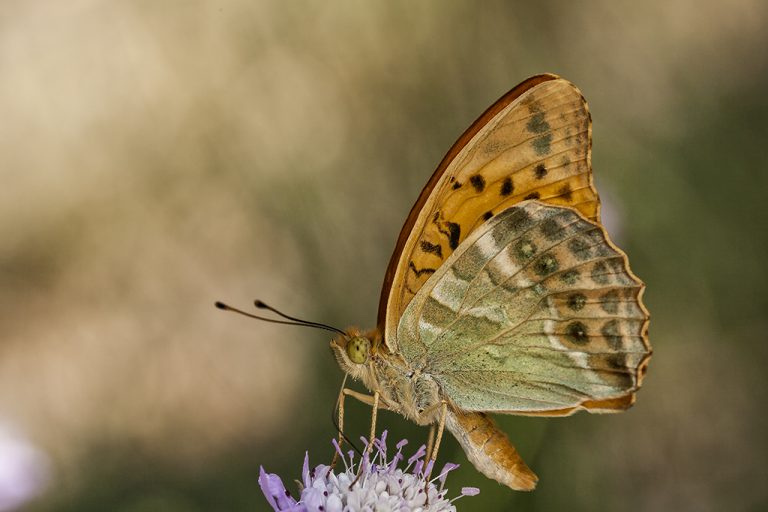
381, 486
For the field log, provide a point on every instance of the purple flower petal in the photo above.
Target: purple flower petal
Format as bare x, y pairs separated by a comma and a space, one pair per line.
395, 461
305, 471
419, 454
274, 490
381, 444
313, 499
470, 491
449, 466
337, 447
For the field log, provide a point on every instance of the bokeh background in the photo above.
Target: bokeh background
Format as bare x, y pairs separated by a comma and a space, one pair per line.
157, 156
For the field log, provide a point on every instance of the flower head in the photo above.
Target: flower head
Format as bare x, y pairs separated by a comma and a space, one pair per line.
375, 482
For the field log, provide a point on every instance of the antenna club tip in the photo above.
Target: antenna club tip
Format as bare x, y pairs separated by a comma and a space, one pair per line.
220, 305
259, 304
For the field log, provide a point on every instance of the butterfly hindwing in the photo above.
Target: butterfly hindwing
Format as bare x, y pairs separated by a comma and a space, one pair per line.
535, 312
534, 143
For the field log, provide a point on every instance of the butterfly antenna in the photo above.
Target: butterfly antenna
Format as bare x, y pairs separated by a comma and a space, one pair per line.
227, 307
263, 305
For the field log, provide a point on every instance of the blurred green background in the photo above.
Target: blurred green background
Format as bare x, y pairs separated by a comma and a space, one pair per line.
157, 156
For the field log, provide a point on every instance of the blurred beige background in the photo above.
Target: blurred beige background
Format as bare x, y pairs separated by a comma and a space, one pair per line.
157, 156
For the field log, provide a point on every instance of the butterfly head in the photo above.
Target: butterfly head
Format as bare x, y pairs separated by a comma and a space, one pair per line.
353, 351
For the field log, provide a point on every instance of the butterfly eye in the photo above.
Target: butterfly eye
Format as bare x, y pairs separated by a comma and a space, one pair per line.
358, 349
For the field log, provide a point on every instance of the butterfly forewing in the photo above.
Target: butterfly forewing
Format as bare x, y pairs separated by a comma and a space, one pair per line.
534, 143
536, 311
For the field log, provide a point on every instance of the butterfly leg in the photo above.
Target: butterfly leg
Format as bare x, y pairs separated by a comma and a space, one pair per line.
440, 428
430, 440
366, 399
375, 406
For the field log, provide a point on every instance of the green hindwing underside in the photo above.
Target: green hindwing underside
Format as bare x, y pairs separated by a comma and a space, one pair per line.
535, 311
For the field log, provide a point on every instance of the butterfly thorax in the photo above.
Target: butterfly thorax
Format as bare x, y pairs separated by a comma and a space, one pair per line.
401, 387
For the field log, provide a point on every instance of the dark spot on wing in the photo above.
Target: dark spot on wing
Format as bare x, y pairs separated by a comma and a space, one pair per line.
565, 192
478, 182
540, 171
537, 123
520, 220
580, 248
612, 334
599, 273
610, 302
454, 233
431, 248
533, 195
507, 187
542, 144
570, 277
616, 361
545, 265
420, 272
456, 186
577, 301
487, 215
525, 249
551, 229
577, 333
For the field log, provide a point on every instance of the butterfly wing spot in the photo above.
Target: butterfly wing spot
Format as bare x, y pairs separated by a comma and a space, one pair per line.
525, 249
599, 273
537, 123
576, 332
610, 302
570, 277
545, 265
540, 171
456, 186
542, 144
551, 229
613, 369
422, 271
580, 248
521, 220
610, 332
532, 195
617, 361
478, 182
454, 234
565, 192
469, 264
431, 248
577, 301
507, 187
487, 215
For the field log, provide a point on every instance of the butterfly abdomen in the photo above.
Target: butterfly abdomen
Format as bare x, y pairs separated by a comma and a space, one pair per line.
489, 449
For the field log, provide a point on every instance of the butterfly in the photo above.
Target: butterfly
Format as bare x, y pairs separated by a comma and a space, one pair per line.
504, 293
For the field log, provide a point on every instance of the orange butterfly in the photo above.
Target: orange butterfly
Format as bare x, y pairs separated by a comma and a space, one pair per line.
504, 293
